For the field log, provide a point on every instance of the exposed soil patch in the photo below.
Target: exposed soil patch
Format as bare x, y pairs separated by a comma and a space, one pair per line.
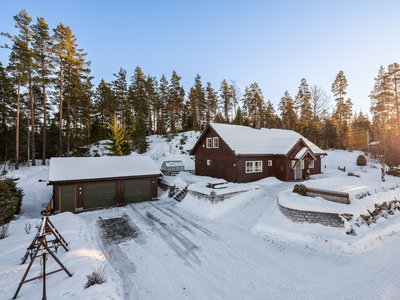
117, 230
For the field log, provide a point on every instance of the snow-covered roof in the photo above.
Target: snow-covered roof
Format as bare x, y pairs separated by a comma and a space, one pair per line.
247, 140
173, 163
303, 151
82, 168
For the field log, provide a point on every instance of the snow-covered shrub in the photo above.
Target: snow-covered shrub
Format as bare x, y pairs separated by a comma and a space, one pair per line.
361, 160
300, 189
98, 276
4, 230
394, 172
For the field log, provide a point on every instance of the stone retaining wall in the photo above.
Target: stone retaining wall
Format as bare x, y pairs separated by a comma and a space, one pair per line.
300, 216
214, 198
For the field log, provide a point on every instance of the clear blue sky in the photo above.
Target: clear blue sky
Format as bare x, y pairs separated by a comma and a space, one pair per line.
275, 43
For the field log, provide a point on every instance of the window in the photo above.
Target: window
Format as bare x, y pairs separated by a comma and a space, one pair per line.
311, 164
209, 142
249, 167
215, 142
208, 162
293, 163
258, 166
302, 164
253, 166
270, 163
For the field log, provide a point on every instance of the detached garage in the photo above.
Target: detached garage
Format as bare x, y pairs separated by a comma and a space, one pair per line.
81, 183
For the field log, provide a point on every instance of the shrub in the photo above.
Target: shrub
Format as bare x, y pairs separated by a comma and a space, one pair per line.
10, 199
361, 160
121, 198
300, 189
98, 276
394, 172
4, 230
27, 227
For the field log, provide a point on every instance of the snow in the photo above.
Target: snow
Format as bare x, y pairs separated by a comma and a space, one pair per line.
74, 168
240, 248
247, 140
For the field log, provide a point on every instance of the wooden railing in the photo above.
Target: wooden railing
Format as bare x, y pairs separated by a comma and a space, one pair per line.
174, 173
333, 196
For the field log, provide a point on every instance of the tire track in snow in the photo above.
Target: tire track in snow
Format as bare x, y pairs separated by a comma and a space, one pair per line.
120, 262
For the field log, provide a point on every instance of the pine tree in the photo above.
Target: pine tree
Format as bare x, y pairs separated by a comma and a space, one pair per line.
225, 100
42, 48
119, 145
339, 91
212, 103
288, 113
270, 116
120, 88
175, 101
162, 104
303, 103
105, 107
253, 103
238, 120
394, 75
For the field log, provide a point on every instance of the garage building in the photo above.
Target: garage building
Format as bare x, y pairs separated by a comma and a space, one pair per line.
81, 183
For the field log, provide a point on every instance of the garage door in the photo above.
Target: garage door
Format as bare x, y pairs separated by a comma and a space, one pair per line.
68, 198
137, 190
99, 194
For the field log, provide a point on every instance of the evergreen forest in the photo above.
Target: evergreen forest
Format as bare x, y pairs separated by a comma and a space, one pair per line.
49, 106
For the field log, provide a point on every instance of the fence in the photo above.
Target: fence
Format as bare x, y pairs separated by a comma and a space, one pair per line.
333, 196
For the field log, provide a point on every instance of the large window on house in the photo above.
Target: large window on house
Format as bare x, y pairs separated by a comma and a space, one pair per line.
215, 142
253, 166
209, 142
311, 164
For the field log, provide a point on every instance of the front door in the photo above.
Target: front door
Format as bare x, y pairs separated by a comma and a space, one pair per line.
297, 171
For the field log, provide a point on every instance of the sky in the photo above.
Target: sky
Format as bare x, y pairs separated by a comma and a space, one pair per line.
273, 43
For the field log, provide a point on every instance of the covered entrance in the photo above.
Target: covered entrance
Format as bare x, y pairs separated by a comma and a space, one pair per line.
297, 171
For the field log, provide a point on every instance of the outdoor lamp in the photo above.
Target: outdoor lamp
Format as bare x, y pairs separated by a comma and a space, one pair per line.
31, 250
56, 244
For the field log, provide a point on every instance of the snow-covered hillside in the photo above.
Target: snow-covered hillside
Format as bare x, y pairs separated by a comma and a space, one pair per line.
240, 248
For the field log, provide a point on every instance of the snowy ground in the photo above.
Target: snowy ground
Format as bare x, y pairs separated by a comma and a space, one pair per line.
241, 248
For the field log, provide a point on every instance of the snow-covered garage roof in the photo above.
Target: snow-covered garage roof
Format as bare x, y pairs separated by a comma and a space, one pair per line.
84, 168
247, 140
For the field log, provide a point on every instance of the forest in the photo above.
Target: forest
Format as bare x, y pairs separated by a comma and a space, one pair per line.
50, 107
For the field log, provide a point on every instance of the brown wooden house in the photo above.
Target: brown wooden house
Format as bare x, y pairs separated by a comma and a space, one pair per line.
81, 183
244, 154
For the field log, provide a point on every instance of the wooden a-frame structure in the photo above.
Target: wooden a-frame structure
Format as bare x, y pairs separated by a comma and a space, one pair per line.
40, 243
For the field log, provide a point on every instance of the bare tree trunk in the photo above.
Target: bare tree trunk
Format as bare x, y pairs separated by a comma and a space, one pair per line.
17, 129
44, 116
32, 116
61, 104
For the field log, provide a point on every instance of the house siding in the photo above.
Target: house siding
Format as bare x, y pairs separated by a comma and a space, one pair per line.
222, 160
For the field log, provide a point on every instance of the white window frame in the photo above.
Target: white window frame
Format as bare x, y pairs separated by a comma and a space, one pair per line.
302, 164
209, 142
258, 166
215, 142
270, 163
293, 163
249, 167
311, 164
208, 162
254, 166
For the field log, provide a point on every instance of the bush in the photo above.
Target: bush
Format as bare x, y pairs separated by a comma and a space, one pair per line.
4, 230
361, 160
98, 276
394, 172
300, 189
121, 198
10, 199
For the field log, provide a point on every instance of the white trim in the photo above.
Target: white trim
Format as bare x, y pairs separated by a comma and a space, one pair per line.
254, 166
208, 162
208, 142
311, 164
215, 142
270, 163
